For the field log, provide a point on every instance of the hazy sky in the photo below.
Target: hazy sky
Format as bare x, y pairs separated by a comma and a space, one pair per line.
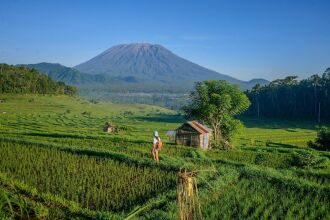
245, 39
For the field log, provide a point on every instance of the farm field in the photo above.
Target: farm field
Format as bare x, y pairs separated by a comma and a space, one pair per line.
57, 163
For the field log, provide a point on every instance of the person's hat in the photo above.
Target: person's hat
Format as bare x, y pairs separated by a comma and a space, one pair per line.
156, 133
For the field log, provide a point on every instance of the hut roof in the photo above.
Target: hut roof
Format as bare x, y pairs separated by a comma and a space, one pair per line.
200, 128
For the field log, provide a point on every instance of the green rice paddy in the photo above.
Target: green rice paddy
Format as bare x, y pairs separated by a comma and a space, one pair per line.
57, 163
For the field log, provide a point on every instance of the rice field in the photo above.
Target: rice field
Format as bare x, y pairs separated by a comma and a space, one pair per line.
95, 183
58, 164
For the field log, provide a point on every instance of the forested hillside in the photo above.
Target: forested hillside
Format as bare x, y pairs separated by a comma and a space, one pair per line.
15, 79
289, 97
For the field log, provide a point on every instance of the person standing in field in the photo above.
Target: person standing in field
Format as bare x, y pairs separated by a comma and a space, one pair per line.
156, 147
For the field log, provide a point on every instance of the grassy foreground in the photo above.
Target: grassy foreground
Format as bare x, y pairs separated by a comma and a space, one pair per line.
57, 163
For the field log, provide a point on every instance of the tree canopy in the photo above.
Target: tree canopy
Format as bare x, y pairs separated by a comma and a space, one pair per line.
215, 103
289, 97
322, 141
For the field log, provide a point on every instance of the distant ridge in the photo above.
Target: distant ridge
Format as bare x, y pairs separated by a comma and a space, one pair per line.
65, 74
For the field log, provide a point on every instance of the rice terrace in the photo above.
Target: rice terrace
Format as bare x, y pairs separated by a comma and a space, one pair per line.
138, 132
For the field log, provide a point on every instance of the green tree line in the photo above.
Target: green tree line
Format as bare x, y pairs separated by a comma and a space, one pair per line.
19, 79
289, 97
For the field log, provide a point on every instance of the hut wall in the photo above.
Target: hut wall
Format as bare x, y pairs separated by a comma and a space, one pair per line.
201, 141
205, 140
188, 139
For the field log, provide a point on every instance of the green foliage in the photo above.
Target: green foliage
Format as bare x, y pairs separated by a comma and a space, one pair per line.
216, 103
91, 180
197, 155
262, 199
6, 208
262, 159
291, 98
221, 144
13, 206
309, 159
322, 141
23, 80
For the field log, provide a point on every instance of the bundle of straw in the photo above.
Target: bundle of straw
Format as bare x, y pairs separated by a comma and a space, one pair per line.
187, 195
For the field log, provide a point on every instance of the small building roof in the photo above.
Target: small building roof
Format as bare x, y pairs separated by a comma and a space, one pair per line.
200, 128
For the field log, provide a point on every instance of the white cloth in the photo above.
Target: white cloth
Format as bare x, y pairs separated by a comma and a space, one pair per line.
155, 141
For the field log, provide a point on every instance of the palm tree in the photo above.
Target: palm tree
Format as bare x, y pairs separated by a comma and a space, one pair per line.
256, 91
316, 82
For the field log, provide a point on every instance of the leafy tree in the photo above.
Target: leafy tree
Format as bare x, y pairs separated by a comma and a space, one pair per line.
216, 102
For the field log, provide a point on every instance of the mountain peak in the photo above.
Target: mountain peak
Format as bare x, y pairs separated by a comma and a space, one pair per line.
152, 63
136, 46
144, 61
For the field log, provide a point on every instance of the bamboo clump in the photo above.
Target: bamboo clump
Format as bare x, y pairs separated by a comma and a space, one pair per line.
187, 196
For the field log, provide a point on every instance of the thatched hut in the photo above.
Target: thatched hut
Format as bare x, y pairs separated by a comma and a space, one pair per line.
108, 128
193, 133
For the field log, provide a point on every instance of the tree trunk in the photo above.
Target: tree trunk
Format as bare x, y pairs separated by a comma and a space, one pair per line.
258, 109
217, 135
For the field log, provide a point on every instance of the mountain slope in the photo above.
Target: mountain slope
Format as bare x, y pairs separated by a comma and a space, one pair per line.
141, 62
65, 74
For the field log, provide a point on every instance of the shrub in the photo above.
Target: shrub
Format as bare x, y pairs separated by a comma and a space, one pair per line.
309, 159
196, 154
128, 113
322, 141
221, 144
260, 158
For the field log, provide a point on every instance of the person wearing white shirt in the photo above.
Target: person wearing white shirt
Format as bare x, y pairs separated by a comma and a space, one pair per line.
155, 146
